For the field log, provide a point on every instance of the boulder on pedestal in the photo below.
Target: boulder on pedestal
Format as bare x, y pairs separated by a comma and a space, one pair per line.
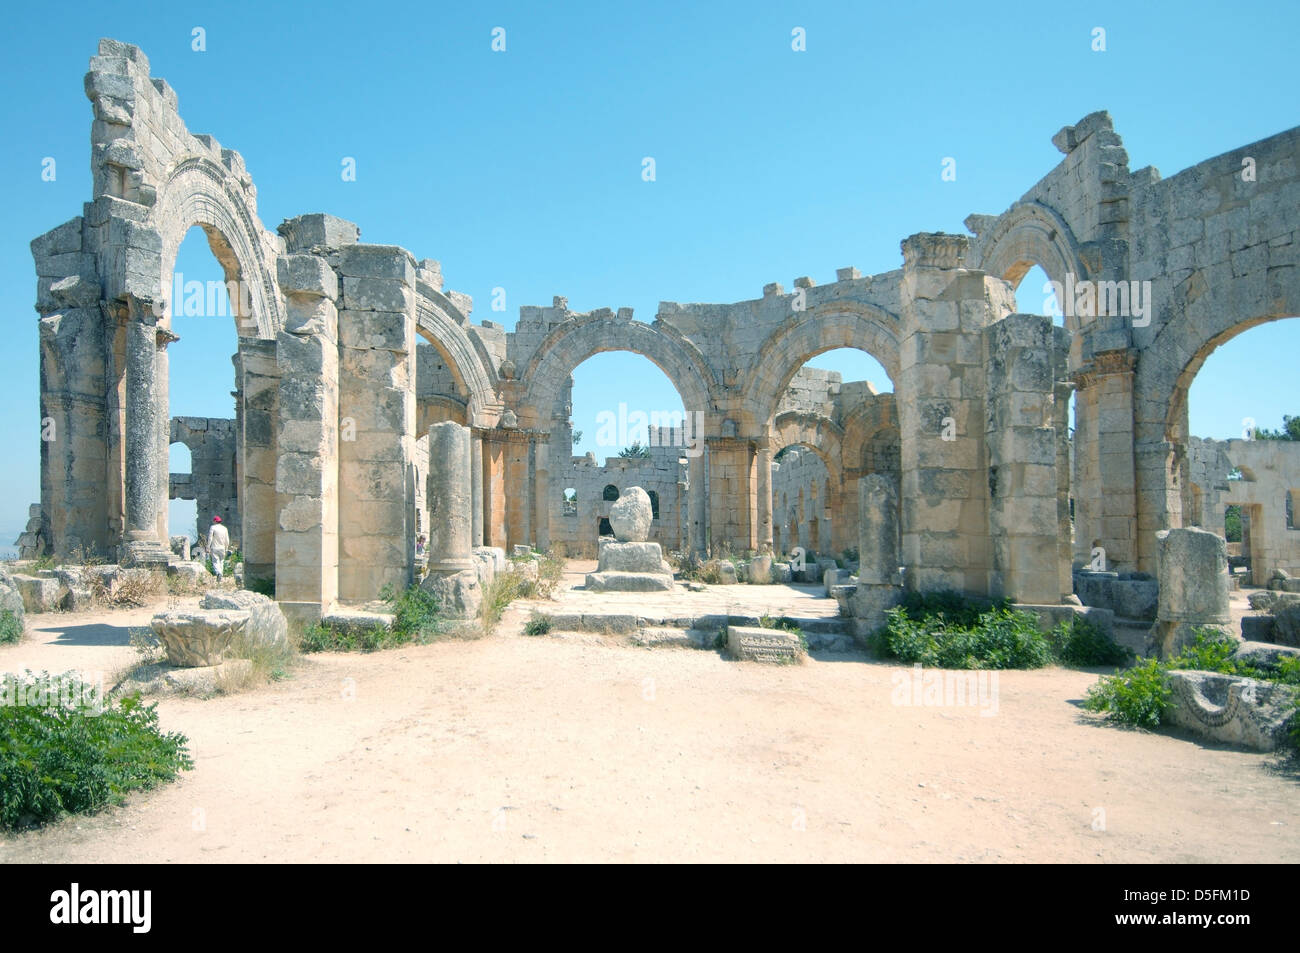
631, 567
631, 515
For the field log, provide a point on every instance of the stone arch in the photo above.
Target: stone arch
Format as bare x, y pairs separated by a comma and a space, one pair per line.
824, 328
199, 191
572, 342
1028, 234
822, 436
1166, 368
470, 370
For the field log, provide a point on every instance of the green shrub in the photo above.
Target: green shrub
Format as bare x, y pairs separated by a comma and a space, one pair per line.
57, 759
537, 625
417, 616
327, 638
1079, 642
11, 627
955, 636
1137, 697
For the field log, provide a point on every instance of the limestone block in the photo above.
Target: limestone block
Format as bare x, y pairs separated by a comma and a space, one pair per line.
1257, 628
1264, 654
180, 546
759, 571
306, 274
631, 515
1227, 708
40, 594
629, 582
1193, 573
1286, 626
11, 596
834, 577
630, 557
781, 573
188, 570
773, 646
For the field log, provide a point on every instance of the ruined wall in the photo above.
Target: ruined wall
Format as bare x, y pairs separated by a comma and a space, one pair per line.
211, 482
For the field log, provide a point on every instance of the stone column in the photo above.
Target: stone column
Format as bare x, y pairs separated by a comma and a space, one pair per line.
476, 488
452, 577
144, 470
542, 505
765, 498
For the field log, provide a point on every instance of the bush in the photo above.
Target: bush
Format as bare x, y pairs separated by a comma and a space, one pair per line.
951, 637
504, 589
1138, 697
11, 627
537, 625
1079, 642
417, 616
57, 759
326, 638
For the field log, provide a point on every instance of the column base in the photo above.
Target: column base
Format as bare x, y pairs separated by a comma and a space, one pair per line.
144, 553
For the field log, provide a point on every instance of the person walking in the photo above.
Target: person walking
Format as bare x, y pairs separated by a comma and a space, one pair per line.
218, 546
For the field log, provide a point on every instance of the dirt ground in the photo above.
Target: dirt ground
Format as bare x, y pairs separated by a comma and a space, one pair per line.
517, 748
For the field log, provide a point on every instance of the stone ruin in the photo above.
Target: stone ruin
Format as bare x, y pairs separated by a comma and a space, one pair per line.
350, 355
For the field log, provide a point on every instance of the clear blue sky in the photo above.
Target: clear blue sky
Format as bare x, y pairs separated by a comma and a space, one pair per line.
523, 169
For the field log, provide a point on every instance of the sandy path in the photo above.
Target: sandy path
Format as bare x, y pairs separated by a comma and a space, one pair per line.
529, 749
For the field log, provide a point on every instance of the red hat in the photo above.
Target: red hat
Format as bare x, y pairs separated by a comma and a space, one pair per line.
216, 519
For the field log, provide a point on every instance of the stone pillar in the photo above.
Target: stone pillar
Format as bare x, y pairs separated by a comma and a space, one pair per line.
518, 495
476, 488
697, 505
732, 493
306, 475
452, 577
939, 395
1192, 566
1022, 356
376, 420
765, 498
542, 506
259, 387
879, 553
1105, 462
144, 469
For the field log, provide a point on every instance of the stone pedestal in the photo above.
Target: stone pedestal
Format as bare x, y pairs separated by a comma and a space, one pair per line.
878, 553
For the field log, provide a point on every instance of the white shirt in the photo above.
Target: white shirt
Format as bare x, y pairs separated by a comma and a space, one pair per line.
218, 540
